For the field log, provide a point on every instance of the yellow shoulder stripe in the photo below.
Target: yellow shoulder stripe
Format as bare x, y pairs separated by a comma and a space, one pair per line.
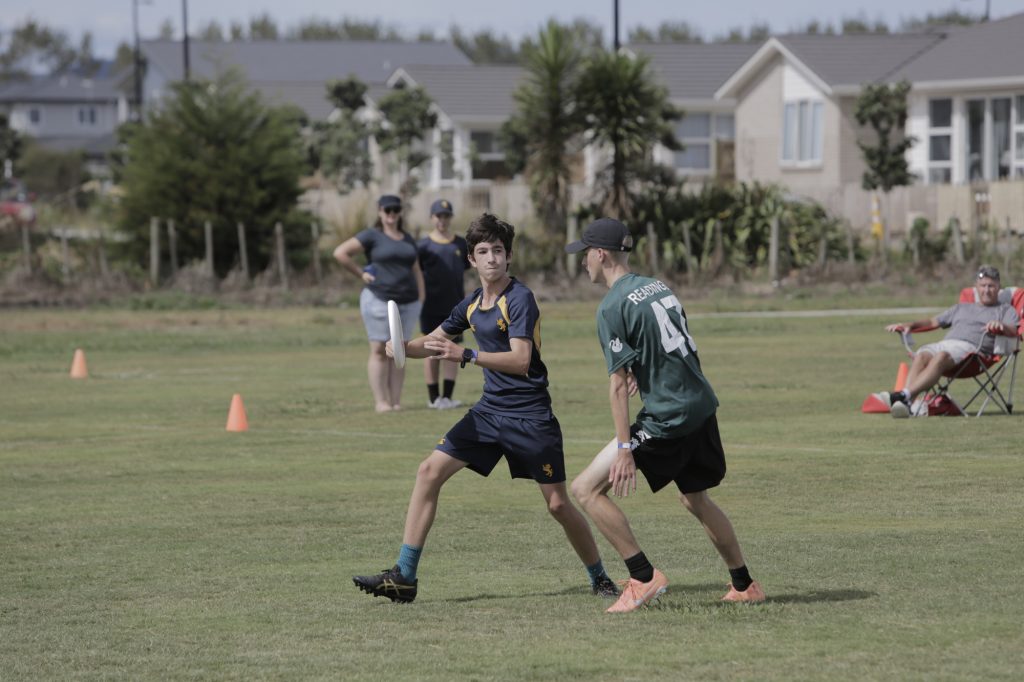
503, 307
471, 309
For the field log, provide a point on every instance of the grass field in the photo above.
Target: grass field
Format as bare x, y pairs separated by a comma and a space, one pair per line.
139, 540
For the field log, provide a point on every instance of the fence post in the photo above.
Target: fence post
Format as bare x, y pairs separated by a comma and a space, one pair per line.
773, 250
691, 262
154, 251
172, 245
243, 254
652, 249
208, 237
572, 260
65, 256
317, 270
851, 245
282, 261
1007, 249
26, 247
958, 240
104, 266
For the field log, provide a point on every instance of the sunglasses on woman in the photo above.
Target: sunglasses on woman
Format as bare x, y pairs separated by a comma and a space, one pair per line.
392, 210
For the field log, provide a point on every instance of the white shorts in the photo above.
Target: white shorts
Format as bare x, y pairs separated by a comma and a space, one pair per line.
957, 349
375, 316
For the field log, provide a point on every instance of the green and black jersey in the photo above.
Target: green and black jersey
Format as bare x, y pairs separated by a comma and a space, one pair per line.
642, 327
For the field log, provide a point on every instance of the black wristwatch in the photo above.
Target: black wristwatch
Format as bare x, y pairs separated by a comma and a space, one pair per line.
468, 355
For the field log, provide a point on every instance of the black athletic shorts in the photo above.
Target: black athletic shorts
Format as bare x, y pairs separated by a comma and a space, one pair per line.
532, 447
431, 320
695, 462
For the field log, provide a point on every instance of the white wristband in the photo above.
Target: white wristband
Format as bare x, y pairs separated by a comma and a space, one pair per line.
625, 446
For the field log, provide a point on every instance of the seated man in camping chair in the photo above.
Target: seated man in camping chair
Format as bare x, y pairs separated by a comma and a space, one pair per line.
973, 328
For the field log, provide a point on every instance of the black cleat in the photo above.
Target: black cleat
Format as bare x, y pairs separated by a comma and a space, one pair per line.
389, 583
604, 587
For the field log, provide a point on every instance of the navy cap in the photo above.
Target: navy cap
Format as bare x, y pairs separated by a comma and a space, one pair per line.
389, 201
606, 233
441, 207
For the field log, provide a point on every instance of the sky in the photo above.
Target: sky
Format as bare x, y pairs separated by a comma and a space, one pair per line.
110, 21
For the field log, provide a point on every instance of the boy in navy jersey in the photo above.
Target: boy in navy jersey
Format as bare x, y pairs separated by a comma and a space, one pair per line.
513, 417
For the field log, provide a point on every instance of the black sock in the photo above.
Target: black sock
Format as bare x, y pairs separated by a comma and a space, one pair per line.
740, 578
449, 387
432, 392
640, 568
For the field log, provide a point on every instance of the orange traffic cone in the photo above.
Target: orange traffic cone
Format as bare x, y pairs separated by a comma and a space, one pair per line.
78, 368
237, 421
901, 377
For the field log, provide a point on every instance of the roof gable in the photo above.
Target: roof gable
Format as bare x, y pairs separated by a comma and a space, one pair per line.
694, 71
991, 50
467, 92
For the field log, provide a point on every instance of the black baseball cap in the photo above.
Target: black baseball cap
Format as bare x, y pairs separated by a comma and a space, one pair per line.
441, 207
389, 201
605, 233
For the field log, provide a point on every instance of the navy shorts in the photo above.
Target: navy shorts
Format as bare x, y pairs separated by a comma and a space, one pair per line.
694, 462
532, 447
431, 320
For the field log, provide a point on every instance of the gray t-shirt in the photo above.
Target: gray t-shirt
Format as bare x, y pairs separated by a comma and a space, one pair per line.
392, 261
966, 322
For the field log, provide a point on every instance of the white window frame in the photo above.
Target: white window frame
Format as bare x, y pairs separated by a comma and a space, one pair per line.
806, 135
1016, 165
710, 141
1017, 128
84, 113
484, 157
938, 131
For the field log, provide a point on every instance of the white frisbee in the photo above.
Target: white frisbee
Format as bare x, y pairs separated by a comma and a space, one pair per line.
397, 337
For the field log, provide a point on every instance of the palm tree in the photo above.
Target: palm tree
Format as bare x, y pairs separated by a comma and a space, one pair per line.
542, 137
627, 112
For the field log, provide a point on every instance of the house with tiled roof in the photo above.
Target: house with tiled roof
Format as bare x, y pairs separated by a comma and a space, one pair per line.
795, 101
68, 112
290, 72
471, 102
692, 73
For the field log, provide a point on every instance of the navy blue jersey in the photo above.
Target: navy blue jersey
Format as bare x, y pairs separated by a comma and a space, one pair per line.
515, 315
393, 260
443, 264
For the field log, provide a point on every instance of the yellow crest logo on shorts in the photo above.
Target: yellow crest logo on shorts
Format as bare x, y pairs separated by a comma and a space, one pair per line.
548, 470
502, 325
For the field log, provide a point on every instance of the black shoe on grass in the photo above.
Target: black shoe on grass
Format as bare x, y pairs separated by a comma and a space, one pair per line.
604, 587
389, 583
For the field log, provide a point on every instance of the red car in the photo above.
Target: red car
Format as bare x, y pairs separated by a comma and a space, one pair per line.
16, 202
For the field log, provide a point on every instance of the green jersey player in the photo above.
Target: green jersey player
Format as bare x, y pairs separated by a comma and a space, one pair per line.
674, 439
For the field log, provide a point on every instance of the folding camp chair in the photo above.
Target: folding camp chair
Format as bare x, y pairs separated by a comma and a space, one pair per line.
987, 370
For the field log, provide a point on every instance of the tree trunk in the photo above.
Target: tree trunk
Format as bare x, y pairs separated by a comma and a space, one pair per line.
317, 269
26, 247
773, 251
172, 246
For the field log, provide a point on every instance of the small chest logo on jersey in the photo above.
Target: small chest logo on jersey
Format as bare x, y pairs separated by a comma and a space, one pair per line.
548, 470
441, 442
615, 344
502, 325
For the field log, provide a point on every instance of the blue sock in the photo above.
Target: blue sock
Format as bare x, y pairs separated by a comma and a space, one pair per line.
408, 560
595, 571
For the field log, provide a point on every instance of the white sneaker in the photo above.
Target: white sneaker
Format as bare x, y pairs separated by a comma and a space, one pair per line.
453, 403
436, 405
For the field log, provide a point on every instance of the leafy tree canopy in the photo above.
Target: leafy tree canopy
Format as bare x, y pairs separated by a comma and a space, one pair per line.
214, 151
408, 117
883, 108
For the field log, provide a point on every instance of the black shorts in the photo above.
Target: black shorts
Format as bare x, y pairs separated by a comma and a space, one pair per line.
695, 462
431, 320
532, 447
